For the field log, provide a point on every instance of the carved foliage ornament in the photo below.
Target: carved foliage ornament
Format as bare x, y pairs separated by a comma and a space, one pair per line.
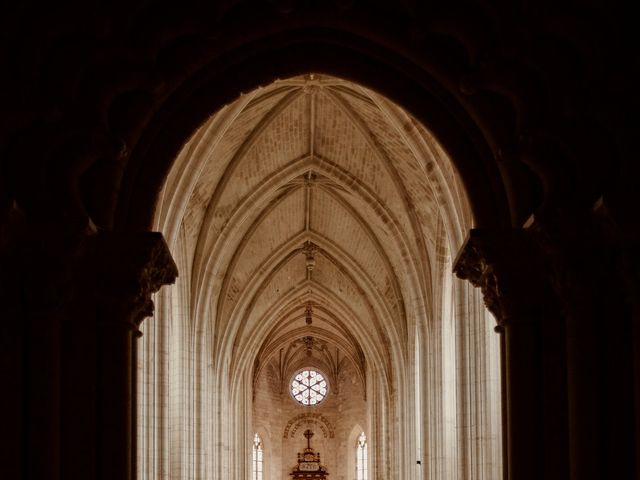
127, 270
508, 270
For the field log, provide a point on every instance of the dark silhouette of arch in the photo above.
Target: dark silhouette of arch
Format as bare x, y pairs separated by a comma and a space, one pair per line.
299, 52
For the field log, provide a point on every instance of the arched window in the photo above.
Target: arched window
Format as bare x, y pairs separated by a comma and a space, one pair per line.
257, 458
361, 457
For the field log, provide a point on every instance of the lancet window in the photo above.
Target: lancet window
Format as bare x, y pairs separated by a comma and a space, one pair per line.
361, 457
257, 462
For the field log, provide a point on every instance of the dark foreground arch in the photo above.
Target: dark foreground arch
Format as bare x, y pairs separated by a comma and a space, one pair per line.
297, 52
533, 102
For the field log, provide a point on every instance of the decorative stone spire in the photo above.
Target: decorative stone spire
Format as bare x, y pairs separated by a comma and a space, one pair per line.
308, 342
309, 250
308, 313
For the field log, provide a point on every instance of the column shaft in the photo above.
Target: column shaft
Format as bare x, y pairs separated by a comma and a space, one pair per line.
115, 397
507, 266
129, 268
523, 414
42, 396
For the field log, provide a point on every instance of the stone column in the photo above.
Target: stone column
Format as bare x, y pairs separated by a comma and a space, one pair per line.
127, 270
622, 238
632, 280
505, 265
37, 260
634, 296
588, 262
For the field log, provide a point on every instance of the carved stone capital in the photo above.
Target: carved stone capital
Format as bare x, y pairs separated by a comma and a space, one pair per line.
588, 258
126, 270
508, 270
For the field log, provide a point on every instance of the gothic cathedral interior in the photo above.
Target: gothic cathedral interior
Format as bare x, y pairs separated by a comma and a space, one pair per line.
347, 240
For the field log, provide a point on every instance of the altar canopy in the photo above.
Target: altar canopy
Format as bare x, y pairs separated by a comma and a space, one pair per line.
309, 465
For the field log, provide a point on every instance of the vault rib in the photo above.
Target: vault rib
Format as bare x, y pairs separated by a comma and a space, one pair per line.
373, 301
307, 206
418, 145
181, 186
350, 349
312, 119
265, 192
374, 239
269, 117
239, 249
369, 137
374, 348
336, 174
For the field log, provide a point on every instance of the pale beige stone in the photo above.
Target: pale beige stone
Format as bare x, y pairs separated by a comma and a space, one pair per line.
408, 350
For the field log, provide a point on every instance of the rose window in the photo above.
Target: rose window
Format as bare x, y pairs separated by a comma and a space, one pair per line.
309, 387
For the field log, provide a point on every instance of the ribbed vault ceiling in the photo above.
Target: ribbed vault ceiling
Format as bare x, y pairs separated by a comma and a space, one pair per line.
312, 167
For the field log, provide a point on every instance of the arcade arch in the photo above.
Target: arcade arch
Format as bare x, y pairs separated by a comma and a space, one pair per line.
314, 224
